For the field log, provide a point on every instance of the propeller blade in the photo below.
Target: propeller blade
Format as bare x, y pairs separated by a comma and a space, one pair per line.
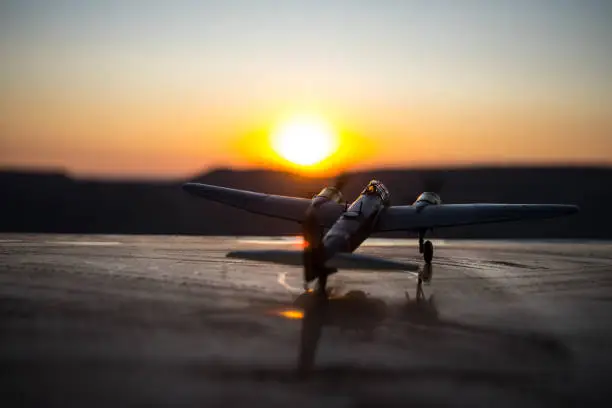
312, 231
433, 182
341, 181
313, 242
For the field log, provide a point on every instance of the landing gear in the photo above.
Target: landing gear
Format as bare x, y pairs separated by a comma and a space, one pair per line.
421, 238
428, 252
425, 248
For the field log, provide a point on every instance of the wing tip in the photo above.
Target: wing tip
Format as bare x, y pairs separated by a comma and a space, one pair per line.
191, 188
564, 209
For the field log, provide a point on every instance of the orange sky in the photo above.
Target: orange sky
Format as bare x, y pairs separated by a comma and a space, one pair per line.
171, 90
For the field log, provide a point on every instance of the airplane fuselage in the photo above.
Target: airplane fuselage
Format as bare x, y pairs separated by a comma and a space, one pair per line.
357, 223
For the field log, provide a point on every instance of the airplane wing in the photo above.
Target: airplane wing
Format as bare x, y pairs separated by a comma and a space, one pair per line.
408, 217
287, 208
339, 261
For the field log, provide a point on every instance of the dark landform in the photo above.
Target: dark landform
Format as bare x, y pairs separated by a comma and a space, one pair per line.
58, 203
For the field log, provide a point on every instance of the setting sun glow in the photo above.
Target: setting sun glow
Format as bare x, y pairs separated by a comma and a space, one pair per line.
304, 141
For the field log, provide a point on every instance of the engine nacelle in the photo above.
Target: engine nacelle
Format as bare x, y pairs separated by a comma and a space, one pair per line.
330, 194
428, 198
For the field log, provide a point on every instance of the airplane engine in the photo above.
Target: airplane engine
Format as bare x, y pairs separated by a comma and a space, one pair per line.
312, 231
332, 193
428, 198
424, 200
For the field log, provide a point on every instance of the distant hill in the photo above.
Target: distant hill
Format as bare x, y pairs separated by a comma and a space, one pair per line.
54, 202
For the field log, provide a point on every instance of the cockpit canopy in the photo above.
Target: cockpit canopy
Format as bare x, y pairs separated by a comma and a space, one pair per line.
428, 198
375, 187
332, 194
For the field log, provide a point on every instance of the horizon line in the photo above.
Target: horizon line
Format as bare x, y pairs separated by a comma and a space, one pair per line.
59, 171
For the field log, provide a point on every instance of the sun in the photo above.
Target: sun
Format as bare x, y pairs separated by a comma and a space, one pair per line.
304, 140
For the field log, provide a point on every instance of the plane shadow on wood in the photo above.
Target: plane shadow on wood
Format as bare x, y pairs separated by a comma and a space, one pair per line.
358, 316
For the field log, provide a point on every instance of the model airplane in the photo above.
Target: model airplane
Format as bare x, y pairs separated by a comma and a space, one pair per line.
334, 229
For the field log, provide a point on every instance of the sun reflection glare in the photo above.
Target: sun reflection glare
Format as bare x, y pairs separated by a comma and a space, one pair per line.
304, 140
292, 314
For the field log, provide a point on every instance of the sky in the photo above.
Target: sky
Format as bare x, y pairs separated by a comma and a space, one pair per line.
170, 88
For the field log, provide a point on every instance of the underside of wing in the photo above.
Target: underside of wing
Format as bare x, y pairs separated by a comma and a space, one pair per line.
288, 208
398, 218
339, 261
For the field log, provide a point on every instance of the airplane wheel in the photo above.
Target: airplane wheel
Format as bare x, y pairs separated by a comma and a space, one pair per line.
428, 251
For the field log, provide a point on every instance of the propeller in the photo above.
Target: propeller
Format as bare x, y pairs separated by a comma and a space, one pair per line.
341, 181
313, 232
433, 182
429, 181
